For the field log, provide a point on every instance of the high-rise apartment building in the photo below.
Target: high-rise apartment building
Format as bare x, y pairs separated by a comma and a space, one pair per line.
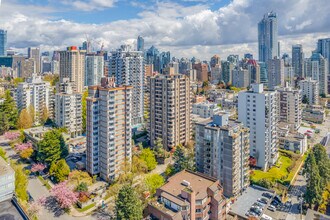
263, 73
189, 195
72, 66
241, 78
68, 107
275, 69
170, 109
215, 60
298, 60
202, 71
3, 42
94, 69
290, 106
109, 134
36, 93
222, 151
227, 70
323, 47
34, 53
310, 91
257, 109
267, 37
127, 67
317, 69
140, 44
254, 71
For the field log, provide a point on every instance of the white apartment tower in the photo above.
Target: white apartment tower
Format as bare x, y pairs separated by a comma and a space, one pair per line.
170, 109
222, 151
128, 69
275, 73
68, 108
317, 69
310, 89
94, 69
72, 66
257, 110
109, 134
36, 93
290, 109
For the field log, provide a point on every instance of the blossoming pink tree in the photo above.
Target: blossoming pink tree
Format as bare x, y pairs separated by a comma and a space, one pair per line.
37, 167
34, 209
64, 195
12, 135
23, 146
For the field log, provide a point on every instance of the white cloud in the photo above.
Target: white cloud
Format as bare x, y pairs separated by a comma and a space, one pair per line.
90, 5
185, 31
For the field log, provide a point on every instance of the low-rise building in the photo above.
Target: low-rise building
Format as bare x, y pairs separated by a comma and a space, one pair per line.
189, 195
205, 109
315, 114
293, 141
7, 181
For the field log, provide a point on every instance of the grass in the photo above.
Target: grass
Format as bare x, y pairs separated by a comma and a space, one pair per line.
45, 182
278, 172
86, 208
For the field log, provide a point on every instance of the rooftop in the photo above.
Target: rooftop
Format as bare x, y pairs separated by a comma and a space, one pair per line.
9, 212
198, 183
5, 168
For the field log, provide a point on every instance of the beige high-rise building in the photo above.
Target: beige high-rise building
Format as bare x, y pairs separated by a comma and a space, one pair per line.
68, 108
275, 73
72, 66
290, 106
109, 132
170, 109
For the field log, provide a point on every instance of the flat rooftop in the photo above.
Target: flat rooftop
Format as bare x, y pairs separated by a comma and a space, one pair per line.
9, 212
5, 168
198, 183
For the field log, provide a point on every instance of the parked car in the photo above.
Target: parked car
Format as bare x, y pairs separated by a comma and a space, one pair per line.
267, 195
263, 200
271, 208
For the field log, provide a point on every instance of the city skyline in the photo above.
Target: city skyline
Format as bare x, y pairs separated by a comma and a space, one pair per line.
217, 27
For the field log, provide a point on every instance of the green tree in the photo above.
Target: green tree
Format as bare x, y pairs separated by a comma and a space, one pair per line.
305, 100
59, 170
52, 79
128, 204
313, 193
4, 124
153, 182
138, 165
323, 163
9, 109
44, 115
52, 147
18, 80
82, 187
148, 157
183, 159
21, 183
84, 109
24, 120
3, 153
32, 113
77, 177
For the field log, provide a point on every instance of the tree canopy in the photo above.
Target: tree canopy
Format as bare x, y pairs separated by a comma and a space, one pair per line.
128, 204
24, 120
52, 147
59, 170
148, 157
9, 113
153, 182
183, 159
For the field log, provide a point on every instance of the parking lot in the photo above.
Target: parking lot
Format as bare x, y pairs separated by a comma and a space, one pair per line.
253, 202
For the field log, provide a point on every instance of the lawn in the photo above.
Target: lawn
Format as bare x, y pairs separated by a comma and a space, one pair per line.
278, 172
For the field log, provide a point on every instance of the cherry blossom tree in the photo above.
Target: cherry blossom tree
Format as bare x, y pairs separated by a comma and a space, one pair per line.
12, 135
64, 195
37, 167
34, 209
23, 146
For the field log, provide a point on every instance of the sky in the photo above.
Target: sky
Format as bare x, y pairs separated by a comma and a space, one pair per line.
187, 28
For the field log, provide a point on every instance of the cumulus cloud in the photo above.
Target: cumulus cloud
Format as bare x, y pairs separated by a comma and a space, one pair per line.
90, 5
184, 30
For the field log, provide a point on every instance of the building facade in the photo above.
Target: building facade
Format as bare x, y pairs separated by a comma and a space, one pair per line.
7, 181
189, 195
3, 42
108, 128
34, 53
72, 66
127, 67
36, 93
170, 109
309, 91
275, 69
290, 108
298, 60
222, 150
267, 37
94, 69
202, 71
241, 78
257, 110
68, 108
205, 109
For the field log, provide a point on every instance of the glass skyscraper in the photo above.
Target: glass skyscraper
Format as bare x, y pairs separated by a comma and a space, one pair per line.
140, 44
267, 37
3, 43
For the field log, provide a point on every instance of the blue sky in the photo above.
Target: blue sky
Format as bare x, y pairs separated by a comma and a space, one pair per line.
187, 28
